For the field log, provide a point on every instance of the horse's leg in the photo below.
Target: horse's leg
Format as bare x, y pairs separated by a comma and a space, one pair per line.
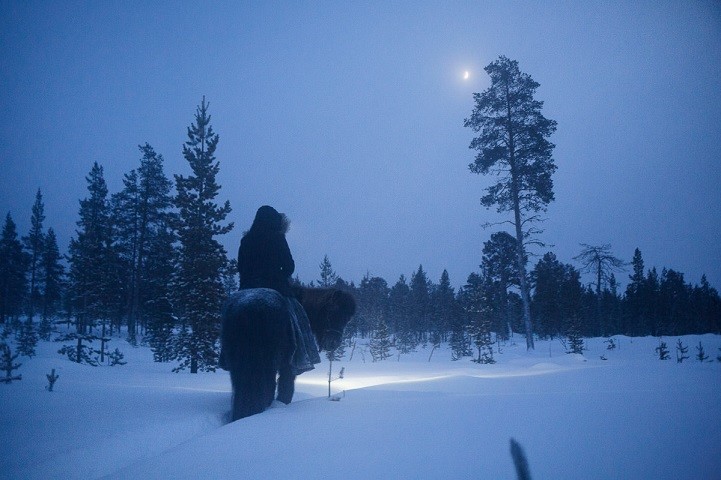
286, 384
242, 381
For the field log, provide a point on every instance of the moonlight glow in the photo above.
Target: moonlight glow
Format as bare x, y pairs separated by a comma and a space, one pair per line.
466, 74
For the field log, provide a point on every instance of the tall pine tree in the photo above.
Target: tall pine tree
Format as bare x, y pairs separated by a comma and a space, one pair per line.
52, 273
93, 266
34, 243
512, 144
142, 216
201, 258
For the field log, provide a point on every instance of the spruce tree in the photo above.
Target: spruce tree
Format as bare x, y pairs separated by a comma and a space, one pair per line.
419, 307
662, 350
8, 365
400, 315
198, 280
142, 217
512, 144
499, 263
701, 353
28, 338
681, 351
13, 265
444, 309
52, 272
380, 344
92, 266
602, 263
328, 277
34, 243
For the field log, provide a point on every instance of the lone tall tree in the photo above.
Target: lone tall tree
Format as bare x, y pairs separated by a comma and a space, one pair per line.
512, 144
201, 258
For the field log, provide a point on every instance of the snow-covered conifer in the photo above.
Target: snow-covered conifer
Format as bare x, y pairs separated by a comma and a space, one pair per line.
198, 280
380, 344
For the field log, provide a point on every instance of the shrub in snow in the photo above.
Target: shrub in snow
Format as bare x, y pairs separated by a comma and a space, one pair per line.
575, 340
662, 351
380, 344
701, 354
480, 331
610, 344
7, 364
52, 378
681, 351
80, 352
116, 358
460, 344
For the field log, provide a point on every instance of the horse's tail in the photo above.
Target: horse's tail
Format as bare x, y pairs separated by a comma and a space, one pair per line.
254, 342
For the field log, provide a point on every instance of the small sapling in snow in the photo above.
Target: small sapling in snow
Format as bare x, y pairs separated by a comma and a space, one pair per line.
7, 364
52, 378
610, 344
116, 358
701, 354
662, 350
331, 357
681, 351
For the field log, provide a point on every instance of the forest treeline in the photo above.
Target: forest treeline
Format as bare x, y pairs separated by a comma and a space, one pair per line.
145, 263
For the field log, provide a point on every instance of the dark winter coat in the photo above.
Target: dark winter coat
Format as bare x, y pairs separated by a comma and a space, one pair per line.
264, 258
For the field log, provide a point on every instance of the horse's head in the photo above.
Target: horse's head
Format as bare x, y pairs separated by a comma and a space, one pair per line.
329, 311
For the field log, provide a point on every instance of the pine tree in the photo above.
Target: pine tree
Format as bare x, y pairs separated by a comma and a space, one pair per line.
399, 316
372, 304
8, 365
575, 340
480, 332
34, 243
158, 293
557, 297
500, 265
380, 344
328, 277
599, 261
93, 267
52, 273
13, 265
419, 307
513, 145
198, 282
444, 309
700, 353
662, 350
681, 351
28, 338
142, 214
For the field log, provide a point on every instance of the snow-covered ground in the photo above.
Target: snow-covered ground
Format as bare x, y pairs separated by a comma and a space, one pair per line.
631, 416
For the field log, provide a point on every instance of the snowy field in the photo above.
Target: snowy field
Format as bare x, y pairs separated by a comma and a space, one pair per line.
631, 416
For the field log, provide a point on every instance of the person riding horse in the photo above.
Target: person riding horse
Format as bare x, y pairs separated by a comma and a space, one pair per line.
265, 261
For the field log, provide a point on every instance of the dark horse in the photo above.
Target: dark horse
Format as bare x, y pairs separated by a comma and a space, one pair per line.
258, 341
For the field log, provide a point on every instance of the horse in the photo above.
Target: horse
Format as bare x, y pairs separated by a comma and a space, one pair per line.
257, 341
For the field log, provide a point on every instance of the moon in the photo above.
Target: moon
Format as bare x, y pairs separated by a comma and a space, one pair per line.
466, 74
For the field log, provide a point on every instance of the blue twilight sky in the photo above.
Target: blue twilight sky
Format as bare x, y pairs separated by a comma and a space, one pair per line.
348, 116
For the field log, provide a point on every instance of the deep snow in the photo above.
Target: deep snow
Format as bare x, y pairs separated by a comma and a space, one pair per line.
631, 416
